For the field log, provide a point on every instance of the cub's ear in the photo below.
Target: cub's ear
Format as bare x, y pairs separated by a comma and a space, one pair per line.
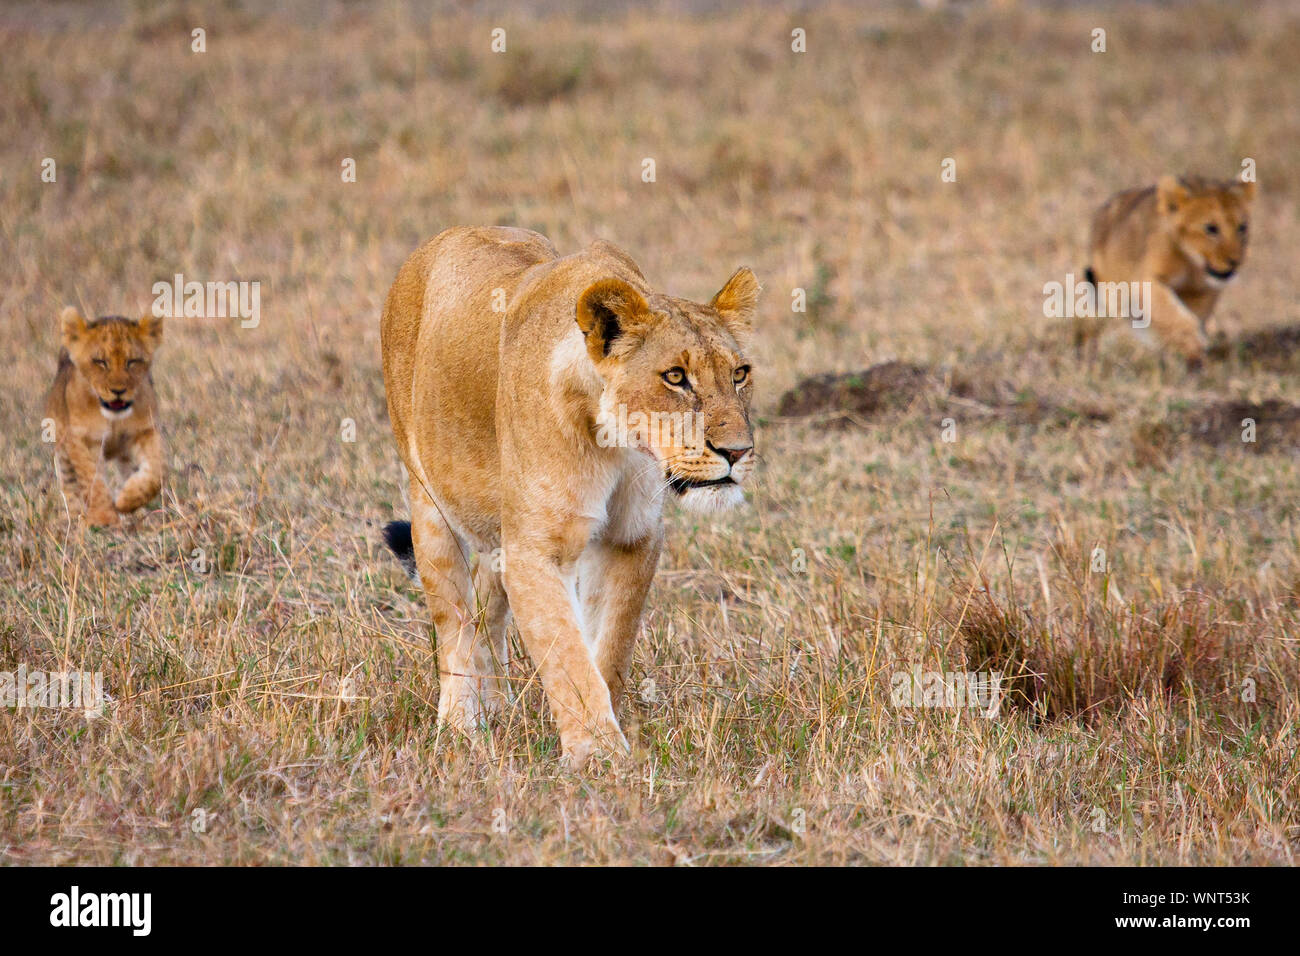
151, 327
71, 325
608, 310
737, 300
1243, 191
1170, 194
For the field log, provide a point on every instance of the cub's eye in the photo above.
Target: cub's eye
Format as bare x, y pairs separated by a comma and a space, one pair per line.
100, 362
675, 376
740, 375
1241, 230
132, 363
1211, 229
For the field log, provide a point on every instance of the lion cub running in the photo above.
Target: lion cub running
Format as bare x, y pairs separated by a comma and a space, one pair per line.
544, 407
103, 408
1187, 238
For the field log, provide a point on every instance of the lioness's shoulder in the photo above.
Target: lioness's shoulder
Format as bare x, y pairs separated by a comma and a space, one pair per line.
484, 247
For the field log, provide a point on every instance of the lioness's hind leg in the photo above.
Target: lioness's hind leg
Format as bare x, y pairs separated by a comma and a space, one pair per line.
493, 619
464, 663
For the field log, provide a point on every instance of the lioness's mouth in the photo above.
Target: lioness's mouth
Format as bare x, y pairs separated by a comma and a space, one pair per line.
117, 404
682, 485
1220, 275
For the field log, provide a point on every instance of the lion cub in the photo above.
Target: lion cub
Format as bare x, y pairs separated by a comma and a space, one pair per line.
1187, 238
103, 408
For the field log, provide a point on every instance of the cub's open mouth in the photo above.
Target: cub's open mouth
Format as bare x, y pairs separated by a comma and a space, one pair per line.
117, 405
682, 485
1220, 275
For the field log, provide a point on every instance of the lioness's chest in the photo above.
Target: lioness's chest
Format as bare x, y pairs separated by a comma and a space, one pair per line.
633, 508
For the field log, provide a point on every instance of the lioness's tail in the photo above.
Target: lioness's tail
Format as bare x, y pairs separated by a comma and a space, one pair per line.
1083, 332
397, 535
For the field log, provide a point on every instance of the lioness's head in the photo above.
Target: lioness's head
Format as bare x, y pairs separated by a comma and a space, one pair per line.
112, 354
677, 384
1209, 222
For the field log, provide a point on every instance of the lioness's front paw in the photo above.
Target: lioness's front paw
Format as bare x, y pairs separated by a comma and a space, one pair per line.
582, 747
463, 716
467, 704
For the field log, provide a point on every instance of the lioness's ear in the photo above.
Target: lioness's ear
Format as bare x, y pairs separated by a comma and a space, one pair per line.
71, 325
607, 310
1243, 191
737, 300
1170, 194
151, 329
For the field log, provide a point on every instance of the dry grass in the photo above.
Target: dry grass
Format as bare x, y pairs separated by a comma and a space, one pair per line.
766, 732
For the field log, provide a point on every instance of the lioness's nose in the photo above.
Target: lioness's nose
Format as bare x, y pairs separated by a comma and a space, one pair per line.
732, 454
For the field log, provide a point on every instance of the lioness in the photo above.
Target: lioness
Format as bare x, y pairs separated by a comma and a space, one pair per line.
514, 381
103, 408
1187, 238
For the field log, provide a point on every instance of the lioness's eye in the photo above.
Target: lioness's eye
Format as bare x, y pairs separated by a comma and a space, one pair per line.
675, 376
1241, 230
740, 374
1211, 228
131, 363
101, 363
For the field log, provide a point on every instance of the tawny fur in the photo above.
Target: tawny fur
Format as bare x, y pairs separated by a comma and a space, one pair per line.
1187, 237
502, 362
104, 409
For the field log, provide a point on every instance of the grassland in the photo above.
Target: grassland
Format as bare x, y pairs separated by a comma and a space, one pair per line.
288, 691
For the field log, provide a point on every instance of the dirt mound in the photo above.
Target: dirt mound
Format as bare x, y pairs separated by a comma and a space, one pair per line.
1254, 427
1224, 423
856, 395
1277, 347
998, 397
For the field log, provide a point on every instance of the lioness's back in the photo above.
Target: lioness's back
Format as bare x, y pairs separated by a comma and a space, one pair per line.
440, 315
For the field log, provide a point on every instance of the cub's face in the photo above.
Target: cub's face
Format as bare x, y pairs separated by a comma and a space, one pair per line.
113, 355
678, 385
1210, 223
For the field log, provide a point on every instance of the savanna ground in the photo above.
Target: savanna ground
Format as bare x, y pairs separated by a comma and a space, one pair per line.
1151, 714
